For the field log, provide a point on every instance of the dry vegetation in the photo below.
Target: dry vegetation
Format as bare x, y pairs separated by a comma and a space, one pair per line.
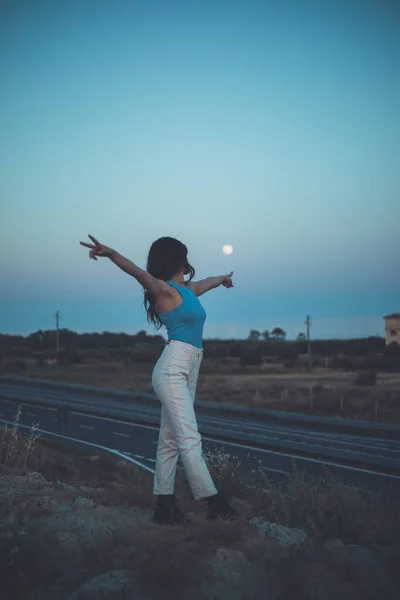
321, 392
108, 529
356, 378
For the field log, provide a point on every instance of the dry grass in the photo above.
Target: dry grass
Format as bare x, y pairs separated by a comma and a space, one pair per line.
326, 508
16, 449
323, 392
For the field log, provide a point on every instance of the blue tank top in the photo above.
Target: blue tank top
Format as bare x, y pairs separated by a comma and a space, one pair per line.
185, 323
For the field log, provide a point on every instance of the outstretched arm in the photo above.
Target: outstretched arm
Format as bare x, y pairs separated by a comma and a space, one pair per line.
150, 283
156, 287
204, 285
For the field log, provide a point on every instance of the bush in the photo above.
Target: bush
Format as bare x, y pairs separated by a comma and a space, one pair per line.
236, 350
215, 351
13, 365
120, 353
251, 357
146, 355
368, 378
69, 356
290, 364
16, 448
344, 363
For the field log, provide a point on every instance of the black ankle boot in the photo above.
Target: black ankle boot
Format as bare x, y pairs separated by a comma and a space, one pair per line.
167, 511
218, 507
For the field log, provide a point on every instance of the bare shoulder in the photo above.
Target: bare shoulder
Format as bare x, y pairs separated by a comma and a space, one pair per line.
155, 287
168, 299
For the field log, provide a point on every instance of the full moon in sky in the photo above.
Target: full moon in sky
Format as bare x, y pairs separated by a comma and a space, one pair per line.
227, 249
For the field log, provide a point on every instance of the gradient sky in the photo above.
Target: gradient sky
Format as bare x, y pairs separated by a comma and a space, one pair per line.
272, 126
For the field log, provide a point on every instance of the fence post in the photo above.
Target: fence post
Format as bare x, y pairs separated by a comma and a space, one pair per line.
311, 398
341, 403
376, 407
63, 420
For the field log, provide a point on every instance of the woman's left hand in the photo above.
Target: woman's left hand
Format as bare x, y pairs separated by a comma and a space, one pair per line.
227, 280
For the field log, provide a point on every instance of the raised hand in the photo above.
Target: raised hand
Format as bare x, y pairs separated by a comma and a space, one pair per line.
97, 249
227, 280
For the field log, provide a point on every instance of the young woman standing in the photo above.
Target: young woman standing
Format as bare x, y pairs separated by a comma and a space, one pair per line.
173, 302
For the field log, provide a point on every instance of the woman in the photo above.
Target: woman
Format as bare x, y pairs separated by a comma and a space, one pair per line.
171, 301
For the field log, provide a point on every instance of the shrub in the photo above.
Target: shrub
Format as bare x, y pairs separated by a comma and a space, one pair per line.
215, 351
12, 365
70, 356
236, 350
146, 355
345, 363
15, 448
120, 353
251, 357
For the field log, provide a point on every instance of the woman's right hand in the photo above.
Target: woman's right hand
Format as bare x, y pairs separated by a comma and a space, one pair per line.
97, 249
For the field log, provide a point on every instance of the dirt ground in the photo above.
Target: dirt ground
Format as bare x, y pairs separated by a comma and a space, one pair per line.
79, 526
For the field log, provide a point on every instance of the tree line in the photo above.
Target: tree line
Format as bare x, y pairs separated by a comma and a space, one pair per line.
276, 334
44, 341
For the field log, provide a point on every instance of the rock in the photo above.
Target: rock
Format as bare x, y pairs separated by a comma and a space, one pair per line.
243, 508
87, 489
93, 458
32, 478
335, 548
23, 484
317, 581
41, 503
333, 571
61, 485
233, 578
114, 585
366, 569
82, 502
94, 524
69, 541
280, 534
335, 544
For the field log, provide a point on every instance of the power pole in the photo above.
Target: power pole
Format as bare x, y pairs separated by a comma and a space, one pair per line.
308, 325
57, 317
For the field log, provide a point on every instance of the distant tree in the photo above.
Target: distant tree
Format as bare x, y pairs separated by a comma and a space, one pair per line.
141, 336
266, 334
278, 333
301, 337
254, 335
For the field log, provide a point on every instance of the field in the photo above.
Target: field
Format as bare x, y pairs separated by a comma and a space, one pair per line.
320, 392
355, 378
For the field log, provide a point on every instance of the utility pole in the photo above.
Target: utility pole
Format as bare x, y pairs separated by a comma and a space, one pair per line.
308, 325
57, 317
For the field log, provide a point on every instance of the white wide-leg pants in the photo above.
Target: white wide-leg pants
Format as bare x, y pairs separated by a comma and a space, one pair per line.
174, 382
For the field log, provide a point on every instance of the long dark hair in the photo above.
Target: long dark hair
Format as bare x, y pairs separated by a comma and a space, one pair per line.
166, 256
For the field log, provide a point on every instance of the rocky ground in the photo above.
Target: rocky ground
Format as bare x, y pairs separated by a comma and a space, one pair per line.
78, 527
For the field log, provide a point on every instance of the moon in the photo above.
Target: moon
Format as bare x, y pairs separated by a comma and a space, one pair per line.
227, 249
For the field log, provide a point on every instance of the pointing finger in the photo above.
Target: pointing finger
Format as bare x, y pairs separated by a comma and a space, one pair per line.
87, 245
94, 240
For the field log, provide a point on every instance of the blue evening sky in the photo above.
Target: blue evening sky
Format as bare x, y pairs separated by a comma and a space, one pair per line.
272, 126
